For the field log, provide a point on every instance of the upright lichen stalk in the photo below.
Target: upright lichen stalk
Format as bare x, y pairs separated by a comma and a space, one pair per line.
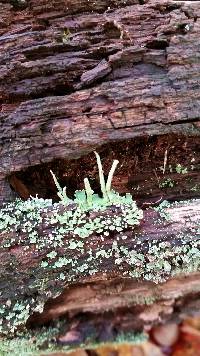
86, 198
89, 191
61, 192
106, 187
110, 177
101, 176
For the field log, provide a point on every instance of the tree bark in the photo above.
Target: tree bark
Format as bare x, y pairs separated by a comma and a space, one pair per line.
73, 80
163, 246
124, 79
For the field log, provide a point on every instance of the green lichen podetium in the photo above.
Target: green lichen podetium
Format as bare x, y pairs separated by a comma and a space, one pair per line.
56, 234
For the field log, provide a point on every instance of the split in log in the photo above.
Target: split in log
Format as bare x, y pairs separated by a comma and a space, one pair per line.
152, 169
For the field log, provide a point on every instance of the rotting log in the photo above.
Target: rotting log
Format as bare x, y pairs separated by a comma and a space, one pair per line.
77, 75
105, 271
74, 76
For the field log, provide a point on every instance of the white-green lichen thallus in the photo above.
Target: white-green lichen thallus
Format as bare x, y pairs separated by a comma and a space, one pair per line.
60, 236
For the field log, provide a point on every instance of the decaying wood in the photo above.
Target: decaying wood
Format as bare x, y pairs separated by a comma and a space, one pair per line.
24, 279
82, 75
73, 79
124, 305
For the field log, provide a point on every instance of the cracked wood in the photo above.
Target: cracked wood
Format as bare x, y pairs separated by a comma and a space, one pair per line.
72, 80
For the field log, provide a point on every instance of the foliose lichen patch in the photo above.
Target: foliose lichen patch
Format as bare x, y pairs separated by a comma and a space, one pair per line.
58, 244
56, 235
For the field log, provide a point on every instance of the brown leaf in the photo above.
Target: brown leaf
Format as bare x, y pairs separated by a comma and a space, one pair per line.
149, 349
166, 335
189, 342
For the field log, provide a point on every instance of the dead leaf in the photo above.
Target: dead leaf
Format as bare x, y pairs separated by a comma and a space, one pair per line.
150, 349
166, 335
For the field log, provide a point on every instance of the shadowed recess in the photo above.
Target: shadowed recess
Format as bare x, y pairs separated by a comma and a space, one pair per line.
151, 169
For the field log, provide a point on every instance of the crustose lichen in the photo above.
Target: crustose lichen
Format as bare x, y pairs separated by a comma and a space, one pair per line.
60, 237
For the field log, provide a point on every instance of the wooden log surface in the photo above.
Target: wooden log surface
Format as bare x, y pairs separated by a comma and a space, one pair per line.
40, 259
76, 75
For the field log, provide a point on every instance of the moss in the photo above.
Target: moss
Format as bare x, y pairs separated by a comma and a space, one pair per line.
29, 343
33, 343
133, 338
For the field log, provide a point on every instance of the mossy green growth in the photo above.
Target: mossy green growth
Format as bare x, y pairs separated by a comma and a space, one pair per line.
32, 343
42, 341
132, 338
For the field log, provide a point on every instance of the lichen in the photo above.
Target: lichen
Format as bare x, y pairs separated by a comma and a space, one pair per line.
71, 240
181, 169
167, 183
57, 233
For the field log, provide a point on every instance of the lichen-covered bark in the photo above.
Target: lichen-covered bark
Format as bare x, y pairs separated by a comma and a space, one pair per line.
73, 79
40, 259
74, 76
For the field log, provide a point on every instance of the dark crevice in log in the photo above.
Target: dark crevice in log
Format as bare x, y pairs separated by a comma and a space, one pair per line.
18, 4
157, 44
139, 172
167, 8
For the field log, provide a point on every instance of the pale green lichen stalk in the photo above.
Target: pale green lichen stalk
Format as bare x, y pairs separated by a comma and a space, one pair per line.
86, 199
61, 191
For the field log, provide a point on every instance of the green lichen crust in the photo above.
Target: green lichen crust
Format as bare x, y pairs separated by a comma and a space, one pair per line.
45, 246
